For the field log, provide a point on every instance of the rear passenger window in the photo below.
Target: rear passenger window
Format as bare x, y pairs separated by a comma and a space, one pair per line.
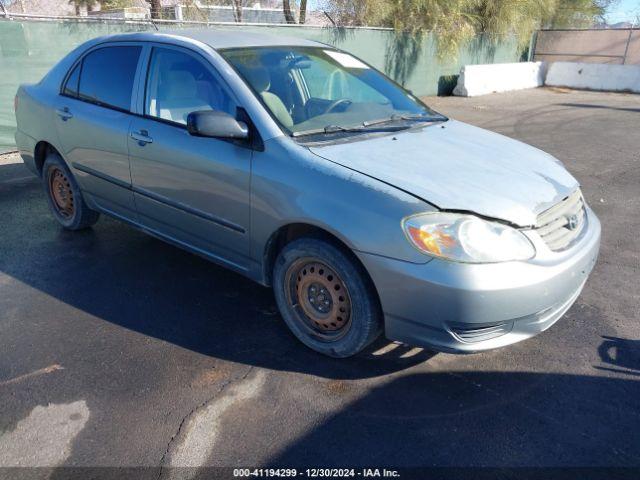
107, 76
71, 87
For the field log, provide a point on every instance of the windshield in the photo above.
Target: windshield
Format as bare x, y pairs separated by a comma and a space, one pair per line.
314, 90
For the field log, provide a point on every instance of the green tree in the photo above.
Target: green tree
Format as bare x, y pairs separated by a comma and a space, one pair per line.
455, 22
577, 13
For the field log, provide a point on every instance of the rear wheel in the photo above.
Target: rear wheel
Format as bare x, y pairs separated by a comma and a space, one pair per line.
64, 196
326, 298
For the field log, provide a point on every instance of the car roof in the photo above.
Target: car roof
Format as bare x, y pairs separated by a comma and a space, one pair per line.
219, 37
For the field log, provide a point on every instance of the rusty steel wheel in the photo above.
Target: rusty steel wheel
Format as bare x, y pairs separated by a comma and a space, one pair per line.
64, 196
325, 297
319, 298
61, 193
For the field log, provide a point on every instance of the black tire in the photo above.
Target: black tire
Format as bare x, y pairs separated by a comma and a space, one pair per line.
343, 280
64, 196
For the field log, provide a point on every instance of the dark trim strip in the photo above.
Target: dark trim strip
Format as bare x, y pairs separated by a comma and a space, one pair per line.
185, 208
161, 199
103, 176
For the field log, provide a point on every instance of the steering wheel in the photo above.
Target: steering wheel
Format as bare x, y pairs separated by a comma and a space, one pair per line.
337, 103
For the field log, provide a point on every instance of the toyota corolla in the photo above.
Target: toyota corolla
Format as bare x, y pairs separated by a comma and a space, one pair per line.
307, 170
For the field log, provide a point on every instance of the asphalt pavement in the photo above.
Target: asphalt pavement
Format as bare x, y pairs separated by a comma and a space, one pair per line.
118, 350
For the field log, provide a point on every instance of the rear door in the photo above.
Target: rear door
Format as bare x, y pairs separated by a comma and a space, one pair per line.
92, 119
192, 190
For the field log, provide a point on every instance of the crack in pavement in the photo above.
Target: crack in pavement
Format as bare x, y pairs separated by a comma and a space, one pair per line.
198, 429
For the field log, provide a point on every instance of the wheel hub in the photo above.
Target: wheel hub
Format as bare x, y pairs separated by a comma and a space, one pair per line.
61, 193
322, 297
319, 298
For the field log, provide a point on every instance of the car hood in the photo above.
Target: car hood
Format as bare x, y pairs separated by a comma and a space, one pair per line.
456, 166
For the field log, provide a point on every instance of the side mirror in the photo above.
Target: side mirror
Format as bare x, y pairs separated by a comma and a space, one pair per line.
214, 123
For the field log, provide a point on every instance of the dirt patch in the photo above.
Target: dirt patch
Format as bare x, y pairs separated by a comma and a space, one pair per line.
209, 377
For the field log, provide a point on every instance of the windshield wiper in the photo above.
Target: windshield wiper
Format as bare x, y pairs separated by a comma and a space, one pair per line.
365, 127
410, 118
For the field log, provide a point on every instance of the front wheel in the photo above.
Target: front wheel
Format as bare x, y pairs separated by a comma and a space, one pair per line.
326, 298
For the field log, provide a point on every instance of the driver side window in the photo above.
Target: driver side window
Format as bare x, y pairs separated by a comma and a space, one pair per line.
179, 84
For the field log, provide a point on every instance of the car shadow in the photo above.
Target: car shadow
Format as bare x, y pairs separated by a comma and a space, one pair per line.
514, 422
460, 425
130, 279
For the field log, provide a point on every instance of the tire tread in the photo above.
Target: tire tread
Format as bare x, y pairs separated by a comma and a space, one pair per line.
366, 323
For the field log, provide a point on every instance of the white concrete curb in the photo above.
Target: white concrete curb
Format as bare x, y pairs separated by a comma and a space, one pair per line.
499, 77
502, 77
9, 158
594, 76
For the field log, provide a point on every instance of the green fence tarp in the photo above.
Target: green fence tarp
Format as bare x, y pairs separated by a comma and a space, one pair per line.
28, 49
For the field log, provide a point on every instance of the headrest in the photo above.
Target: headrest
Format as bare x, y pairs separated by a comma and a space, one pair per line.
181, 84
258, 77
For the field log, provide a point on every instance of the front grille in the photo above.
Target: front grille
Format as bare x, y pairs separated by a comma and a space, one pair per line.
474, 333
560, 225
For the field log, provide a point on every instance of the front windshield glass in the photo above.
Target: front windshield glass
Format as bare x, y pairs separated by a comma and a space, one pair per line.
315, 90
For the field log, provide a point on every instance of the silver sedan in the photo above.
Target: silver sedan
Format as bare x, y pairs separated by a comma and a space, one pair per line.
306, 169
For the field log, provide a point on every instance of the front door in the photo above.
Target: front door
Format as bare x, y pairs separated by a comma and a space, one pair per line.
93, 116
192, 190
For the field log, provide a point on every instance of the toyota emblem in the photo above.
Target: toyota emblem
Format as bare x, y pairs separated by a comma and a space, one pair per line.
572, 222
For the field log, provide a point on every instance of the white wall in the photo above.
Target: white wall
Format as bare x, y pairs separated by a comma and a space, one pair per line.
499, 77
502, 77
594, 76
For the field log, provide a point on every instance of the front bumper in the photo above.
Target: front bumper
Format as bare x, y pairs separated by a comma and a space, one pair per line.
466, 308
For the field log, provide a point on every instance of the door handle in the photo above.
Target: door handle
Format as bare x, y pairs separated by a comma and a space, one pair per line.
64, 113
142, 137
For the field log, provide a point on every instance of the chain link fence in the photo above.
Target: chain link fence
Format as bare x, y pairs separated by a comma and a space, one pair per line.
613, 46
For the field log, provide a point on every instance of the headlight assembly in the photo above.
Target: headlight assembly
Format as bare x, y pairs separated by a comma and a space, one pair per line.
466, 238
